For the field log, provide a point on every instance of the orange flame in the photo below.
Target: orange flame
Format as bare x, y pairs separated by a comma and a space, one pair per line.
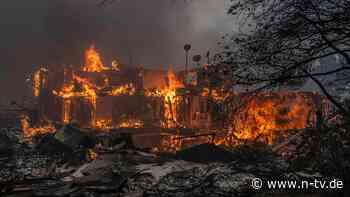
38, 81
131, 123
106, 124
30, 132
128, 89
93, 61
268, 116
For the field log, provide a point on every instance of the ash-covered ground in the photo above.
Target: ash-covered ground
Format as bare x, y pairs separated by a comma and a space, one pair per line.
79, 162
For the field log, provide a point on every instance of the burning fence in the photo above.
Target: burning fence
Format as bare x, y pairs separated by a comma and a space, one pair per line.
111, 97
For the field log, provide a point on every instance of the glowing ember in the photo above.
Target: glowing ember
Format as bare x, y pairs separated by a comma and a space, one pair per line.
115, 65
127, 89
93, 62
38, 81
104, 124
131, 123
216, 95
66, 110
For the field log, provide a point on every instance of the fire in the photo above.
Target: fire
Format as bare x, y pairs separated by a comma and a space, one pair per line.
171, 101
38, 81
173, 81
82, 87
71, 88
67, 91
78, 87
169, 96
216, 94
131, 123
269, 115
29, 131
128, 89
115, 65
104, 124
66, 110
93, 61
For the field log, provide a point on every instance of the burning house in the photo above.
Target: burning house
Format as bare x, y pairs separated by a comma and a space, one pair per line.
103, 118
116, 96
108, 97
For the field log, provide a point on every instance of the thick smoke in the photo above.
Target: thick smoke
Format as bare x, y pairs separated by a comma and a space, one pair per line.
147, 32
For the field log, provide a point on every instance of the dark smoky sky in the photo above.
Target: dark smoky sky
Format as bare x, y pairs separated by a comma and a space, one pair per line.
147, 32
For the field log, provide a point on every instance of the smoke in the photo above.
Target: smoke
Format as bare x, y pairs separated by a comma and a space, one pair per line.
147, 32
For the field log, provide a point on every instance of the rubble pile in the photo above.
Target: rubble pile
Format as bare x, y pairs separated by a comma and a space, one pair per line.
74, 162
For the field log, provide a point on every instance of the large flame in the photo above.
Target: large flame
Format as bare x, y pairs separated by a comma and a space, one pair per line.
263, 118
269, 115
93, 61
170, 99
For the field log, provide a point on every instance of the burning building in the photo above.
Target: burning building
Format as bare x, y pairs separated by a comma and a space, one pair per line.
93, 95
109, 97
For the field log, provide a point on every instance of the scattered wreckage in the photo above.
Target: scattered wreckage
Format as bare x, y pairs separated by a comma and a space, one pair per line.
76, 162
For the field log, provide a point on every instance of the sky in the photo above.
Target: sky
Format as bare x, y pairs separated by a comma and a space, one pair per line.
149, 32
